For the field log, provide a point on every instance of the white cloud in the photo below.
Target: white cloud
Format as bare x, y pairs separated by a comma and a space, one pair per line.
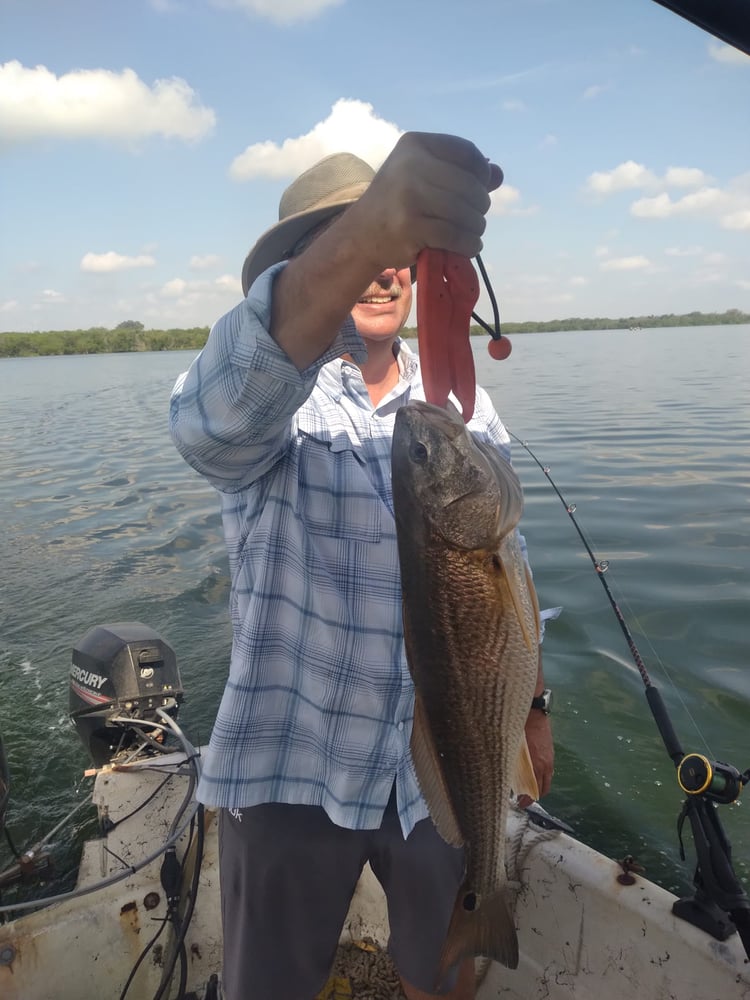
513, 105
506, 200
9, 305
736, 220
601, 252
728, 54
204, 262
352, 126
683, 251
631, 175
102, 263
625, 264
578, 281
594, 90
624, 177
35, 103
229, 283
728, 206
662, 206
50, 295
281, 11
187, 292
548, 140
684, 177
174, 288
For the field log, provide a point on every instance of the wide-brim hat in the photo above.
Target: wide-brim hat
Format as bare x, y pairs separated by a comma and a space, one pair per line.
319, 193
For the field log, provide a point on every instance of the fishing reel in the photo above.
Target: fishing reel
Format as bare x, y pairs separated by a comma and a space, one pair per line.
720, 782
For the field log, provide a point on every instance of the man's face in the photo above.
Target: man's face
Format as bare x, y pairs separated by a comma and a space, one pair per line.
384, 308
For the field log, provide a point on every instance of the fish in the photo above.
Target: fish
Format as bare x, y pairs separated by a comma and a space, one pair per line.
471, 631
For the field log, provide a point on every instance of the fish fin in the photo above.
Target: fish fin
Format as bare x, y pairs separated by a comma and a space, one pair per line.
487, 930
431, 779
516, 579
524, 780
535, 603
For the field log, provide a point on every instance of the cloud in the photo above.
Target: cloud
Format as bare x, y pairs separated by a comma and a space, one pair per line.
728, 206
187, 292
352, 126
104, 263
683, 251
506, 201
625, 264
631, 176
737, 220
684, 177
34, 103
174, 288
594, 90
513, 105
624, 177
281, 11
9, 305
727, 54
50, 295
662, 206
205, 262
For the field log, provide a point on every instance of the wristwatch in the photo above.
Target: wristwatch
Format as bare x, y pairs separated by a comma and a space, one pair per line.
543, 701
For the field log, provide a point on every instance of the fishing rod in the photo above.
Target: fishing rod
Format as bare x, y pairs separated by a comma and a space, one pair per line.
706, 783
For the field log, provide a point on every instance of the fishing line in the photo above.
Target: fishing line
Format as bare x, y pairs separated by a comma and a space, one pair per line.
705, 782
601, 566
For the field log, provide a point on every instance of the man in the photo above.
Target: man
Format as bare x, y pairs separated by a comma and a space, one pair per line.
289, 412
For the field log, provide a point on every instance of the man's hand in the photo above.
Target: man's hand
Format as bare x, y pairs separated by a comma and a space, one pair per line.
541, 748
432, 191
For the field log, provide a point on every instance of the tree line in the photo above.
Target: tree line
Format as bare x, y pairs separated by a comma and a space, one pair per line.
132, 336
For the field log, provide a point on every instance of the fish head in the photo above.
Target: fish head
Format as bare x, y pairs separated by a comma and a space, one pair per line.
448, 483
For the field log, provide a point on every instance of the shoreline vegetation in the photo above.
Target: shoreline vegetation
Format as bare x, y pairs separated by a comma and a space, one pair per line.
131, 335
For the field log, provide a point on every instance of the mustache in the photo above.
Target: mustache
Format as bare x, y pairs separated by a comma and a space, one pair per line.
377, 288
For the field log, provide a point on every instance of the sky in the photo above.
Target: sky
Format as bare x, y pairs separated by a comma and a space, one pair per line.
144, 146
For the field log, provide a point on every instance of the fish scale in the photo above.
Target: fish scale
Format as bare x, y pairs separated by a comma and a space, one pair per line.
471, 626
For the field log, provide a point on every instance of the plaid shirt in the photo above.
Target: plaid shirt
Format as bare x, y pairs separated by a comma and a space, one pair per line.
319, 702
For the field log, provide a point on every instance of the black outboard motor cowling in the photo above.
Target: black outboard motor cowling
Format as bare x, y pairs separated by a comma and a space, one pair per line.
120, 670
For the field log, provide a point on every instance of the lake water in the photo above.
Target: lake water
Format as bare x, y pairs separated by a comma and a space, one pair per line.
648, 433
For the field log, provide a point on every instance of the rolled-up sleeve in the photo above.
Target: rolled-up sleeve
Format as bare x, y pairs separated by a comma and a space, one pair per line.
231, 412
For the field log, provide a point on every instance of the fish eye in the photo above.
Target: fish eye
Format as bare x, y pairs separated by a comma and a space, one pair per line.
418, 452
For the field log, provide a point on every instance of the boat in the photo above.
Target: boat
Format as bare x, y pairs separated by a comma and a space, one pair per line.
143, 919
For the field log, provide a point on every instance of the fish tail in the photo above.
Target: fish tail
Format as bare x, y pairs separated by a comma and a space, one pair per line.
487, 929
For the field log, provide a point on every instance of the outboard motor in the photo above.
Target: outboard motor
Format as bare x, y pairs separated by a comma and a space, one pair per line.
121, 671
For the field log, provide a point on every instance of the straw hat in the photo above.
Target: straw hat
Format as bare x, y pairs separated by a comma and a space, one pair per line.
316, 195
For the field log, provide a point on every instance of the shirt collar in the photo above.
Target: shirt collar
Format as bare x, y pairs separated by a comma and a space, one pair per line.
334, 376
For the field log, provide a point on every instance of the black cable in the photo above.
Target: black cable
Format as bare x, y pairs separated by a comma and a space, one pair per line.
13, 849
110, 825
494, 331
179, 945
147, 948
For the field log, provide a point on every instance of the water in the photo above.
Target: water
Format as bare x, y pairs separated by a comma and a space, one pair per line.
647, 433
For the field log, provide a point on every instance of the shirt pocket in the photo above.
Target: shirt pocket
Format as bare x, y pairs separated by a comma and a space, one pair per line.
335, 496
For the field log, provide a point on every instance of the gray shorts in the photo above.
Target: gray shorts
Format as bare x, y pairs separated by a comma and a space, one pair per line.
287, 877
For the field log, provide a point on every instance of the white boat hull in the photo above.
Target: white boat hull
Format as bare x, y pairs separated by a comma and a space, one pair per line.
582, 933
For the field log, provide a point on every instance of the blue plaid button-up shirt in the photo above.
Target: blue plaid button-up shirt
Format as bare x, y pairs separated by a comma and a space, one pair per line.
318, 705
